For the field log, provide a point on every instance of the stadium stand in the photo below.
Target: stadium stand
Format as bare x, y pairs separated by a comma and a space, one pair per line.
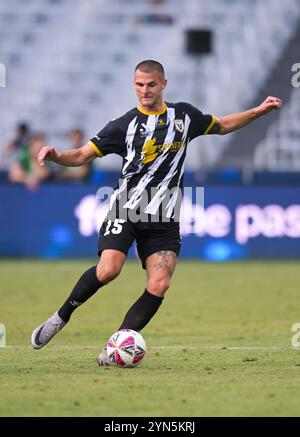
275, 130
280, 149
59, 80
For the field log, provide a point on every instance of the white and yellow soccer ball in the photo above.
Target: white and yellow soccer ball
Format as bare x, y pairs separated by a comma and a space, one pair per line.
126, 348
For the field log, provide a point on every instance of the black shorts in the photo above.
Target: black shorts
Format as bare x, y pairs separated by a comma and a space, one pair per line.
150, 237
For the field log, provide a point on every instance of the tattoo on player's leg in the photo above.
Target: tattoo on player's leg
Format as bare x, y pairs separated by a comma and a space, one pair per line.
166, 260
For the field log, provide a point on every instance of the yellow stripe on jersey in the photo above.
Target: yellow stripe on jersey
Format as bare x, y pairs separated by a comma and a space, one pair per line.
211, 125
90, 143
152, 112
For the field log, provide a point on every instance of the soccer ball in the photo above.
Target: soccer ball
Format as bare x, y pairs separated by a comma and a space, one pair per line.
126, 348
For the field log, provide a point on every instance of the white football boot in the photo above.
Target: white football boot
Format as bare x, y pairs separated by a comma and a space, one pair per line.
43, 333
103, 359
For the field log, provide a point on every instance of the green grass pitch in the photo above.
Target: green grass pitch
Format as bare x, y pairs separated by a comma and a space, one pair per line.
220, 344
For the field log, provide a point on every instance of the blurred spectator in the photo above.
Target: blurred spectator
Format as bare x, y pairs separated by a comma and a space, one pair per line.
76, 174
26, 169
157, 17
20, 140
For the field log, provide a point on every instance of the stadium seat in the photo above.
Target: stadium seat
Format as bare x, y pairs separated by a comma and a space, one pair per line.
85, 72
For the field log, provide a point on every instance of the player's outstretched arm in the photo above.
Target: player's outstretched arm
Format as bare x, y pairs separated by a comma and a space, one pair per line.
232, 122
69, 158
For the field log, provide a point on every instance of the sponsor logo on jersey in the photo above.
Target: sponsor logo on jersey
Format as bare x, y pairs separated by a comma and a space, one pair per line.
151, 150
173, 147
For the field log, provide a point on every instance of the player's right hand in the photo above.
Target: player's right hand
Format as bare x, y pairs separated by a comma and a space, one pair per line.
47, 153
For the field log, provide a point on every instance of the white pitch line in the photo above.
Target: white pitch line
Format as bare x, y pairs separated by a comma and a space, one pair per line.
200, 348
226, 347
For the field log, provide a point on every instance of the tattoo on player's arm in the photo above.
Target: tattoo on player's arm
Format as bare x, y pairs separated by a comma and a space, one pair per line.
166, 260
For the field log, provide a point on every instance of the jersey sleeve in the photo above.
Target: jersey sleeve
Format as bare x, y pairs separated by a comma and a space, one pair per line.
109, 140
201, 123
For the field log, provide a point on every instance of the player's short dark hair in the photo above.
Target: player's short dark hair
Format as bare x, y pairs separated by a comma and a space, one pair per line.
149, 66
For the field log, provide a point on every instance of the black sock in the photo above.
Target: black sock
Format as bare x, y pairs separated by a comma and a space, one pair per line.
87, 285
141, 312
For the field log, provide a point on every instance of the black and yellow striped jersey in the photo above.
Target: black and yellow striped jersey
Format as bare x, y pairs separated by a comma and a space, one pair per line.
153, 147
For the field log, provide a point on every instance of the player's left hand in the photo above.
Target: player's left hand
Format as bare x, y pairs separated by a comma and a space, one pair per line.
270, 104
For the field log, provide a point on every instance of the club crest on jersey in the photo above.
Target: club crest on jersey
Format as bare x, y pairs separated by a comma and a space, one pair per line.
179, 126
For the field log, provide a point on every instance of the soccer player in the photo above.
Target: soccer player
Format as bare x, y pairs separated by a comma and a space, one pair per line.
152, 139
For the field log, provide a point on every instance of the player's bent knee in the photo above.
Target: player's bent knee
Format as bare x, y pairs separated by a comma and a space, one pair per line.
107, 274
158, 287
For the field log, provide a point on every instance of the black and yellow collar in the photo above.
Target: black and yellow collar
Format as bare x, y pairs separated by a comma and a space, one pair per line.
152, 112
